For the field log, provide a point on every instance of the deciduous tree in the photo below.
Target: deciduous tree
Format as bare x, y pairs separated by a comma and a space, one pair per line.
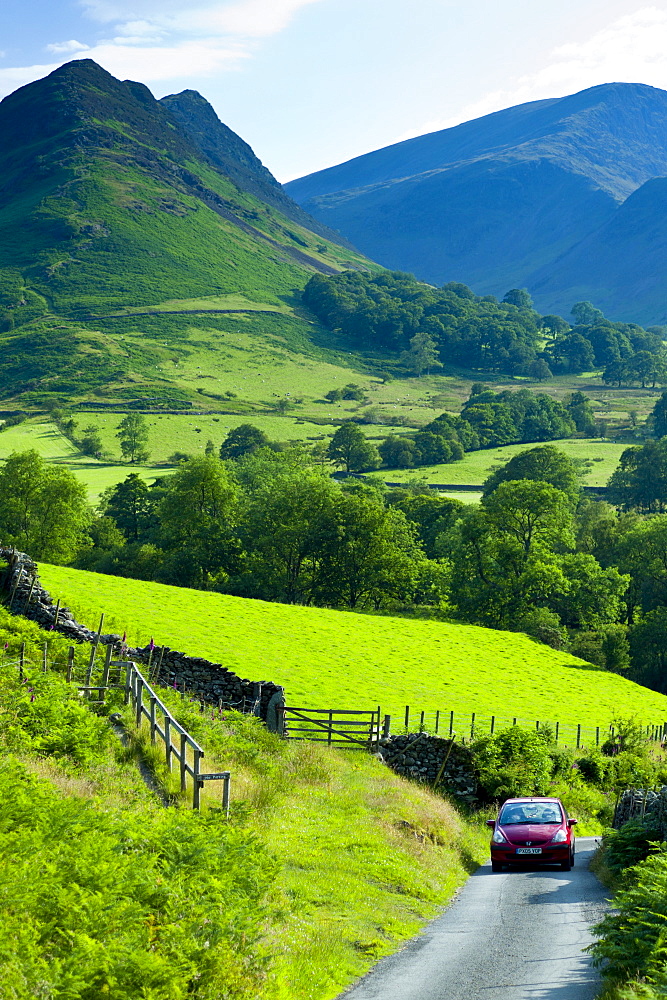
350, 449
43, 508
133, 436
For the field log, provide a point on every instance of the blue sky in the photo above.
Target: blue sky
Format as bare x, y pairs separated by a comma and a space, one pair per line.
310, 83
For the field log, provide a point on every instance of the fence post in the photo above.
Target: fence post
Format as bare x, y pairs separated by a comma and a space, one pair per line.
91, 664
128, 682
22, 660
472, 726
32, 587
45, 658
421, 722
152, 707
407, 717
57, 615
378, 734
184, 773
444, 763
167, 740
578, 735
70, 663
437, 721
226, 790
139, 700
387, 726
107, 666
493, 723
451, 724
330, 728
15, 587
514, 721
557, 728
196, 791
597, 736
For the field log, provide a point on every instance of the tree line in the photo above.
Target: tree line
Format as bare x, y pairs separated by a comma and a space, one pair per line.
488, 419
269, 522
429, 327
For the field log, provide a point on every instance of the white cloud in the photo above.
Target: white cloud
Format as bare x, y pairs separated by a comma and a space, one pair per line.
238, 18
148, 63
62, 48
248, 18
13, 77
152, 63
631, 49
156, 40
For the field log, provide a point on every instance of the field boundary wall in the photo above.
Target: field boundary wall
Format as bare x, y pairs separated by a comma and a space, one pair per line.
212, 682
643, 803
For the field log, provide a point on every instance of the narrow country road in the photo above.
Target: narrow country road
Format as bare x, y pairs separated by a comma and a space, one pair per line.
517, 935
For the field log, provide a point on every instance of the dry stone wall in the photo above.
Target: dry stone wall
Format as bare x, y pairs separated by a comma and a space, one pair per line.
420, 757
650, 804
212, 682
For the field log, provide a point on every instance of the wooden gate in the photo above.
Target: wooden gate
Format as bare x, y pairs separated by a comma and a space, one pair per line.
333, 726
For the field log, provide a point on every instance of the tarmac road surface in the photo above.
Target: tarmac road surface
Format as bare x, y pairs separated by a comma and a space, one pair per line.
517, 935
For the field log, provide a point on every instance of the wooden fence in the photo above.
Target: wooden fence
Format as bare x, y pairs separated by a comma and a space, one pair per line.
333, 726
124, 675
176, 739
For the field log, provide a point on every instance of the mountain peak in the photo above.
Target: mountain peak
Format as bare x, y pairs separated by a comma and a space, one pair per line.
198, 120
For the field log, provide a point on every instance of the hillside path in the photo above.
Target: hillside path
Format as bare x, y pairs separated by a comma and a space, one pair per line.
517, 935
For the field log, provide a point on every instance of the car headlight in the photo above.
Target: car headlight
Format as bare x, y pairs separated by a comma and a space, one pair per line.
559, 837
498, 837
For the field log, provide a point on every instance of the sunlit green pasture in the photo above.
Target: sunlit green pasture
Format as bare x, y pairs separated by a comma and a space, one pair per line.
211, 303
45, 438
337, 659
475, 466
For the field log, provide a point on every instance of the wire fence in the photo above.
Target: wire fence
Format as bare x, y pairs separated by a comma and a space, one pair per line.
468, 726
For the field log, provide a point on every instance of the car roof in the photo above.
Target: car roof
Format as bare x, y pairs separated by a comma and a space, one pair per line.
533, 798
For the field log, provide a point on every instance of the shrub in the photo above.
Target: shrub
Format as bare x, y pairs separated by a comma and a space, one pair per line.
515, 762
593, 767
632, 936
632, 843
161, 903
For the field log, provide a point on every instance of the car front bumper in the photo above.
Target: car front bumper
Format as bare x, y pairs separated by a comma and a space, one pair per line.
552, 854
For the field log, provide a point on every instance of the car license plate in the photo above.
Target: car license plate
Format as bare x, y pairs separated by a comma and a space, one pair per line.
529, 850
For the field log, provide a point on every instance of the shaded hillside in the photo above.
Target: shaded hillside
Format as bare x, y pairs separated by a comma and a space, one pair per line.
493, 201
622, 266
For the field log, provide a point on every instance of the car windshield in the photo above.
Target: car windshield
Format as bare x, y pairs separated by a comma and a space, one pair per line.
530, 812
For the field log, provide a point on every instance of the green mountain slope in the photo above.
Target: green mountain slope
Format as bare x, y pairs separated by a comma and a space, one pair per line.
108, 203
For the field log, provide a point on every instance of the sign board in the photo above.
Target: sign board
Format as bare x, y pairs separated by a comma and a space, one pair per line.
214, 777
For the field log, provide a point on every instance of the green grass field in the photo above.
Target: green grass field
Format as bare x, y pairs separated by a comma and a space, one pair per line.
45, 438
477, 465
335, 659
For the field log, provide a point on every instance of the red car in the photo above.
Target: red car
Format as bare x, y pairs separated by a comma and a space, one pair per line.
532, 831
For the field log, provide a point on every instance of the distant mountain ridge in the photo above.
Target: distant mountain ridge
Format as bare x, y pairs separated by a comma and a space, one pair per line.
505, 200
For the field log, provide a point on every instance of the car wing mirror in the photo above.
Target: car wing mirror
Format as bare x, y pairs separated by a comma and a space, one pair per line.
571, 822
491, 823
